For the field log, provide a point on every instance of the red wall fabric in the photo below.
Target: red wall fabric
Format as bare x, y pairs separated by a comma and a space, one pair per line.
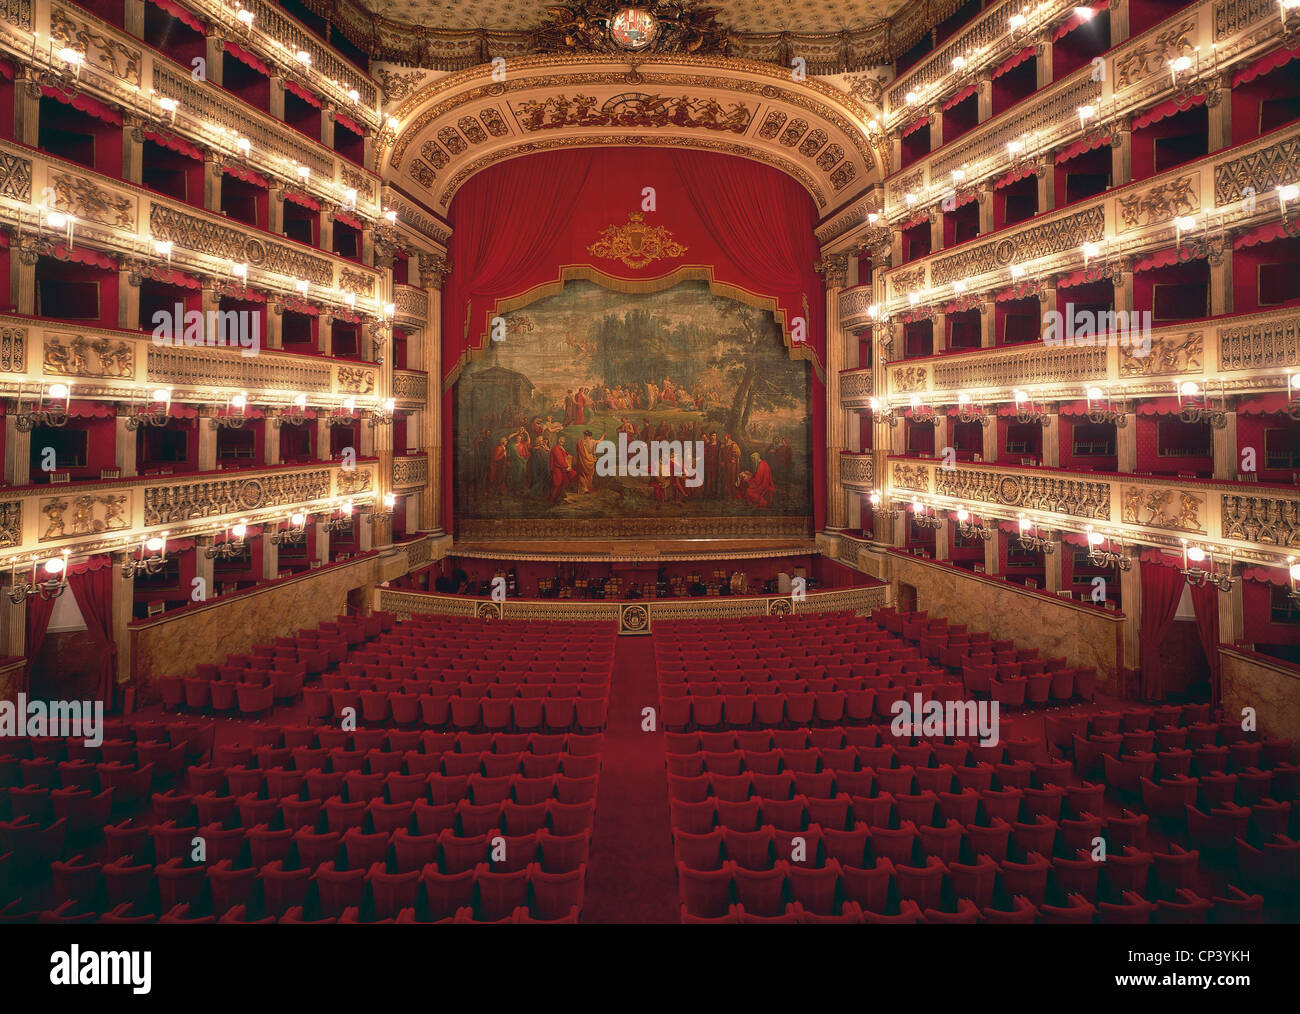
517, 225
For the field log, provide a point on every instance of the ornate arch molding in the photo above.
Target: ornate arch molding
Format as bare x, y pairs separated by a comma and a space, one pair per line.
462, 123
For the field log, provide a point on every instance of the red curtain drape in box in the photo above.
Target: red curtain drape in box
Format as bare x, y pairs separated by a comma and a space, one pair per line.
1162, 587
39, 611
518, 225
94, 592
1205, 600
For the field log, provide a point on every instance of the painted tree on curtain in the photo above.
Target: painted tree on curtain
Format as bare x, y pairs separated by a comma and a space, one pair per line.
587, 364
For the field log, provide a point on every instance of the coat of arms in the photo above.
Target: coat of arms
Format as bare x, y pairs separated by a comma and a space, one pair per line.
636, 244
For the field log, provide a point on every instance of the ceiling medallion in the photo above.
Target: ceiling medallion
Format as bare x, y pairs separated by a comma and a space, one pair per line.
635, 243
611, 26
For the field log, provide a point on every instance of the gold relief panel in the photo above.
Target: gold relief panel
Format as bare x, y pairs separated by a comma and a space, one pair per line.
857, 469
1181, 353
79, 356
13, 350
1171, 509
908, 281
1154, 55
410, 387
1264, 170
906, 379
216, 367
354, 380
635, 243
352, 481
912, 477
65, 517
1068, 232
359, 282
1161, 203
91, 203
11, 523
100, 51
410, 473
633, 109
1262, 344
1268, 521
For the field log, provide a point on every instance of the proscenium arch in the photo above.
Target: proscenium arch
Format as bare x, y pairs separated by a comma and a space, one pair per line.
462, 123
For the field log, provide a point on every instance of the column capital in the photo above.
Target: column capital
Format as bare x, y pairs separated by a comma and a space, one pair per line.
834, 269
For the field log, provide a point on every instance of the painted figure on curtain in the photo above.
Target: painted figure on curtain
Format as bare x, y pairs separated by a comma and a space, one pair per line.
541, 415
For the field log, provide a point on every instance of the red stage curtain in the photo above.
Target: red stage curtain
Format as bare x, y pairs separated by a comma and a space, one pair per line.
1205, 600
517, 224
94, 592
1162, 587
39, 611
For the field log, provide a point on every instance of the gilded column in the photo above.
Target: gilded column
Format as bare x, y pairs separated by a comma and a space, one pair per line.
834, 269
433, 271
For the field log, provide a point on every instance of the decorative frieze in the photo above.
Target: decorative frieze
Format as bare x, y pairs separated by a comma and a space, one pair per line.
912, 477
204, 235
13, 349
410, 472
11, 523
1269, 521
1056, 235
1257, 172
79, 356
69, 515
217, 367
410, 387
1073, 497
411, 302
99, 50
15, 177
190, 501
1033, 363
856, 386
1271, 343
355, 380
1170, 353
857, 469
1160, 203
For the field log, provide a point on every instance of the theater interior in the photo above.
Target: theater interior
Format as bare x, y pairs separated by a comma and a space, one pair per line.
650, 463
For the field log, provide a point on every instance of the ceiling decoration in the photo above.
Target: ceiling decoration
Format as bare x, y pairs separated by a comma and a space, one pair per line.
456, 125
832, 36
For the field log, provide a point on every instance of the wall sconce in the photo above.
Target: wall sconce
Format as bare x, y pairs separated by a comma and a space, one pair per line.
924, 516
151, 559
969, 412
1090, 251
292, 534
882, 509
1288, 193
163, 248
1107, 551
1293, 573
341, 519
921, 413
343, 415
386, 515
245, 18
1287, 5
65, 223
54, 584
1034, 539
295, 413
232, 546
382, 416
156, 415
971, 527
235, 416
1213, 574
1293, 390
882, 413
1208, 408
1101, 409
1027, 412
42, 414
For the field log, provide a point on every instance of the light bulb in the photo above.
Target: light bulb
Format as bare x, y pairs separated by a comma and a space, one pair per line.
1096, 394
1096, 538
963, 515
1188, 389
59, 391
239, 401
1185, 223
1020, 396
298, 518
300, 401
162, 394
54, 565
154, 544
239, 531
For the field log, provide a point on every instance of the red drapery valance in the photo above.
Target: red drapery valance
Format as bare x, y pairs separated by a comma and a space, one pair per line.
343, 218
1264, 404
84, 103
343, 120
1013, 177
1075, 20
1079, 147
1159, 406
1160, 259
85, 255
174, 143
244, 56
1167, 108
180, 280
302, 93
1262, 66
7, 70
743, 225
247, 175
961, 96
1267, 575
90, 409
1260, 234
1013, 62
962, 199
179, 13
302, 200
916, 125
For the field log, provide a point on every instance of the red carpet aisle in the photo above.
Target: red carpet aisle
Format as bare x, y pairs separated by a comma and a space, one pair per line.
630, 876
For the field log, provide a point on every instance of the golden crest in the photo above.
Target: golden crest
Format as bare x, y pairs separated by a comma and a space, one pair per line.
635, 243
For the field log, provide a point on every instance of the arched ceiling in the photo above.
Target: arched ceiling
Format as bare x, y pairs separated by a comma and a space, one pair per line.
459, 124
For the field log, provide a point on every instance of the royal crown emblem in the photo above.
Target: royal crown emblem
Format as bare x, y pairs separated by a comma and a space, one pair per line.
635, 243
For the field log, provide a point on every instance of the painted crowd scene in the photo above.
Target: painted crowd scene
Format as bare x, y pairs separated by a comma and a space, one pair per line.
682, 366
